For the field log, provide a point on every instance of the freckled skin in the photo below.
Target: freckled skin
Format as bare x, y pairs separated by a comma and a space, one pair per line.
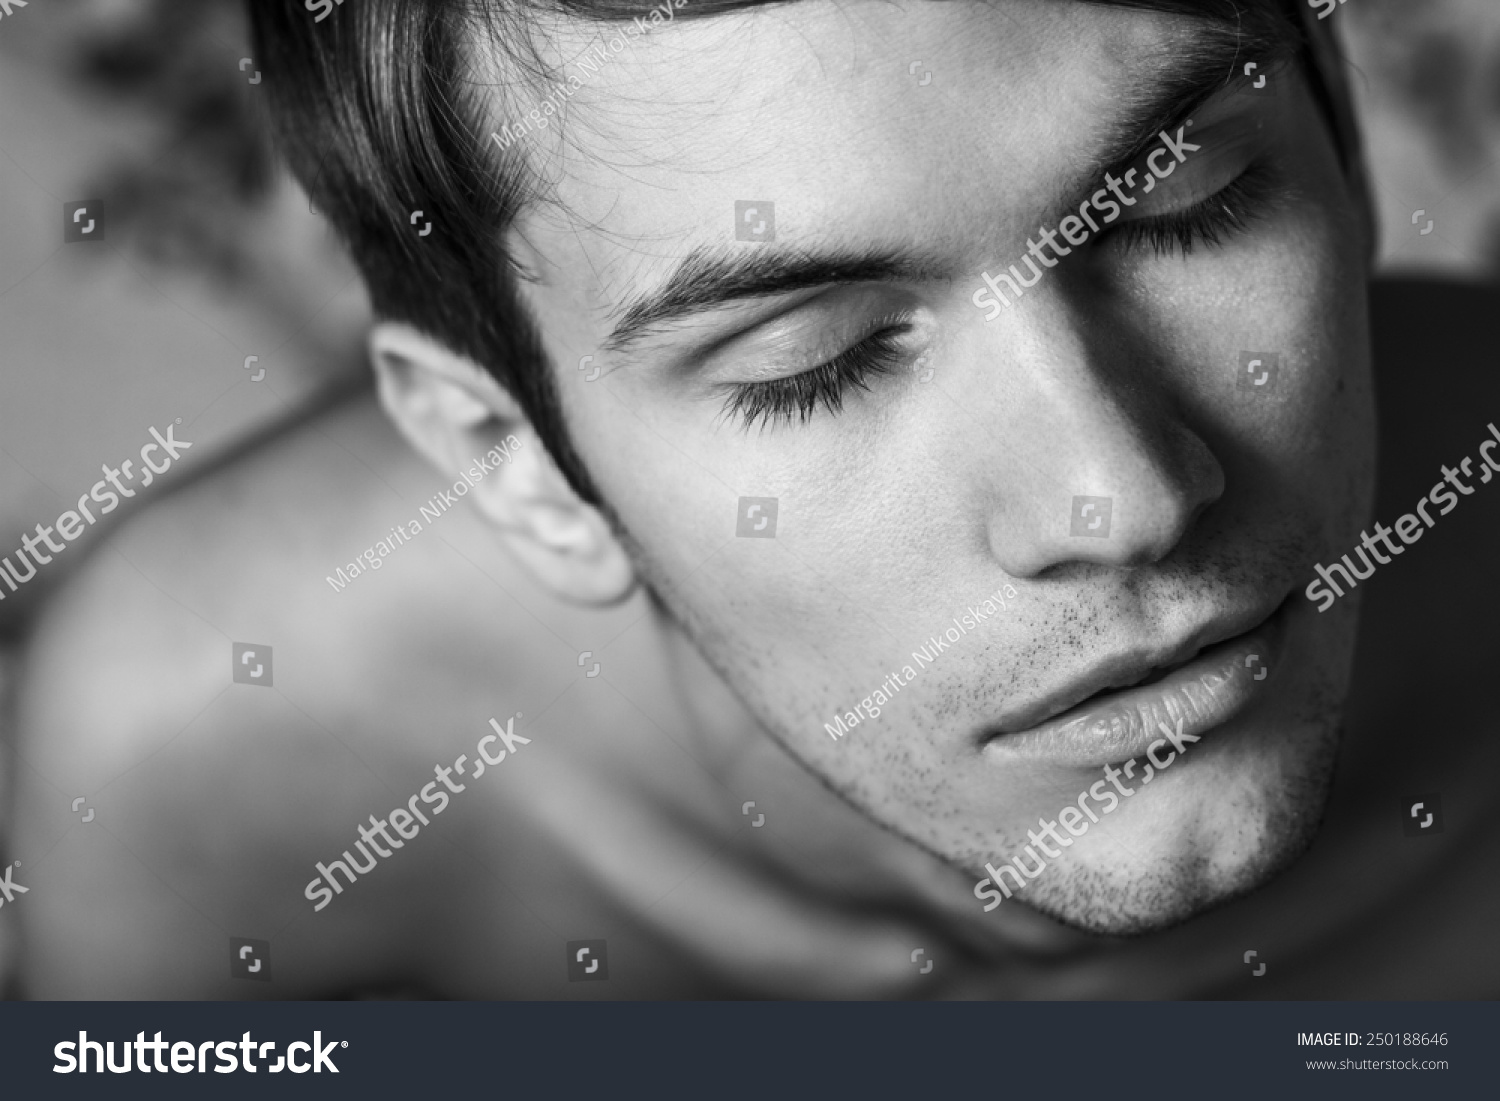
919, 499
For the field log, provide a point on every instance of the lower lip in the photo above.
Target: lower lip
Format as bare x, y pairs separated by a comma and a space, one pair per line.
1213, 688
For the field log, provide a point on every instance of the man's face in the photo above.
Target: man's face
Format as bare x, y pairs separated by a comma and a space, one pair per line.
954, 470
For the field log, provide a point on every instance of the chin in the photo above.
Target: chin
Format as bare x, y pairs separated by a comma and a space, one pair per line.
1221, 848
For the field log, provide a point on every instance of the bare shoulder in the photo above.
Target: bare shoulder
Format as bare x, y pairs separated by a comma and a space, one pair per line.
140, 636
209, 777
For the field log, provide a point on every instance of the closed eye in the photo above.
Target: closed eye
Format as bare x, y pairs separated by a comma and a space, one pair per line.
1228, 212
781, 399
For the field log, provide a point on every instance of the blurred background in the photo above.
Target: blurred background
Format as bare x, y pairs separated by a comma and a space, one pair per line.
207, 254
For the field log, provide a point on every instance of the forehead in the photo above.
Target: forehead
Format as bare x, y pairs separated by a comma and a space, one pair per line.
858, 123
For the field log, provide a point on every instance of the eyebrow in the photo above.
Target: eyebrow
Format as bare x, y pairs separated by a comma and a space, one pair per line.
713, 276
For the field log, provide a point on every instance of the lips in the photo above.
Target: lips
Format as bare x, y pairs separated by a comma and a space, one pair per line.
1094, 721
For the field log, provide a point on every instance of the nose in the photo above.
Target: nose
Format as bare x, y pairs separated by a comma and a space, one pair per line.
1097, 460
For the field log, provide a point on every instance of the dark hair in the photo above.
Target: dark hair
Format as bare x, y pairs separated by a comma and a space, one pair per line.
377, 117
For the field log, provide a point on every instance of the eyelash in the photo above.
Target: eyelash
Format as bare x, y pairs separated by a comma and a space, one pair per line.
779, 400
1229, 211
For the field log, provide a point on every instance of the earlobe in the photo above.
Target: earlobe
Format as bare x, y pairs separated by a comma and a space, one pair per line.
458, 417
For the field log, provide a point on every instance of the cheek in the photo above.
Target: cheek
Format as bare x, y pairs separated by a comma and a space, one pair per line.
743, 514
1269, 340
1320, 424
782, 557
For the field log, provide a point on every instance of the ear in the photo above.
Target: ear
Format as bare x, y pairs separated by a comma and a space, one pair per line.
454, 412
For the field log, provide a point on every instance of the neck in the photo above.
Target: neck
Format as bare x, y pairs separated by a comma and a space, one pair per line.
711, 716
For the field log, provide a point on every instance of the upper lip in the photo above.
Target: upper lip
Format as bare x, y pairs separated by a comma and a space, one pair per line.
1128, 669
